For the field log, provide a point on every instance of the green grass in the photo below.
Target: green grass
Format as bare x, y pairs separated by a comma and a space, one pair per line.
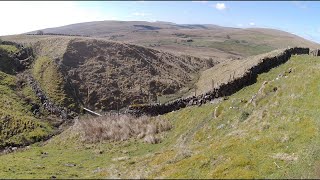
183, 92
240, 46
18, 126
242, 142
46, 72
9, 48
28, 93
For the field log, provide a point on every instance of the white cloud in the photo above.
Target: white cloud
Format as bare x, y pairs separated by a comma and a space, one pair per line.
300, 4
200, 2
220, 6
240, 25
140, 2
141, 14
20, 17
252, 24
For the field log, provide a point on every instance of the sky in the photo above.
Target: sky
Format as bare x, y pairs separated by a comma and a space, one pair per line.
297, 17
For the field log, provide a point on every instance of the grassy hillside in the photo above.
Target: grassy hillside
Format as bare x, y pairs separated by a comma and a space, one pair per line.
204, 40
18, 126
225, 71
51, 80
267, 130
105, 74
22, 119
8, 48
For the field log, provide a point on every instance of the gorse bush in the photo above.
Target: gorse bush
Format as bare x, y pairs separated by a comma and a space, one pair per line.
123, 127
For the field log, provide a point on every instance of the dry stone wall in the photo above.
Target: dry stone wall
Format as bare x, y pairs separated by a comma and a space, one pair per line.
315, 52
249, 77
47, 104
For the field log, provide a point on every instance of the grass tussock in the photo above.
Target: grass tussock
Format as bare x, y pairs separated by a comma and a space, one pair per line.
123, 127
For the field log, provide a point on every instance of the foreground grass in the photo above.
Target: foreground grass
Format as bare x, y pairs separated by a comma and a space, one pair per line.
277, 136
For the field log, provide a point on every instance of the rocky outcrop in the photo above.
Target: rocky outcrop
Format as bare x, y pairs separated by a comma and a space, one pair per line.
47, 104
248, 78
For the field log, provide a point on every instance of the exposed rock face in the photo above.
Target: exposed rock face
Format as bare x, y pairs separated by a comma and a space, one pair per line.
227, 89
46, 102
15, 62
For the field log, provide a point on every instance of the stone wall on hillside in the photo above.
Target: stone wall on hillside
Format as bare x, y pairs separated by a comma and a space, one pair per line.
249, 77
315, 52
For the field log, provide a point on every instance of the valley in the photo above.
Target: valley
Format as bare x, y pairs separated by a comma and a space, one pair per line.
177, 101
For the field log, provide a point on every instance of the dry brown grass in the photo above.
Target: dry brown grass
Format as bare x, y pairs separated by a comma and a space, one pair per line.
225, 72
123, 127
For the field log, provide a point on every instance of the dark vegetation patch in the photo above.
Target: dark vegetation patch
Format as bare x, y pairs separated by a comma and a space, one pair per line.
109, 75
146, 27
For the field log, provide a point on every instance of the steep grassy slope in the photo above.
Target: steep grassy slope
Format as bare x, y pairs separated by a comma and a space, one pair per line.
18, 126
267, 130
6, 64
47, 73
204, 40
226, 71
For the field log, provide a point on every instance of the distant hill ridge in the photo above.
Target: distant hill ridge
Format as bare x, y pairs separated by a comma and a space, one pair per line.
208, 40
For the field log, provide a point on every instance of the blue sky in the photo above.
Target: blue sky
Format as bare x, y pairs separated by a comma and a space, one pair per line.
297, 17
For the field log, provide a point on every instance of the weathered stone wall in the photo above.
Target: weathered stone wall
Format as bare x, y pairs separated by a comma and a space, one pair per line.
47, 104
315, 52
249, 77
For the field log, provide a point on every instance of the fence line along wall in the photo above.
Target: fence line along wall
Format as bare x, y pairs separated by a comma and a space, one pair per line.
226, 89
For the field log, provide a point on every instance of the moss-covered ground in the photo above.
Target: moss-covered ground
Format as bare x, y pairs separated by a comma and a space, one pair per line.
18, 125
51, 80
